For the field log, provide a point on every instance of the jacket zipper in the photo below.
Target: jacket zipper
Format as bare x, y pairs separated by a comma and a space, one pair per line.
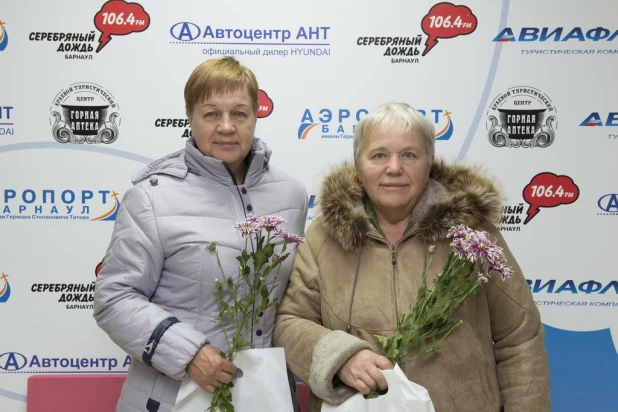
394, 261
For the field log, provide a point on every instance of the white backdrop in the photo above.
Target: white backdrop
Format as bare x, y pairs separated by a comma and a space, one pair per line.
548, 66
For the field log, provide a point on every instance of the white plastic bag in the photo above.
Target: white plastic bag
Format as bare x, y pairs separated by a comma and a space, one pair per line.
263, 386
402, 396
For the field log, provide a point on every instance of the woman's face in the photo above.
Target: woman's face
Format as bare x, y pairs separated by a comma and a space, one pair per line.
223, 126
394, 169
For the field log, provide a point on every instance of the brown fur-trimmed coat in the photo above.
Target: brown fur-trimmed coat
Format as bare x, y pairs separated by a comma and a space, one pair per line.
349, 284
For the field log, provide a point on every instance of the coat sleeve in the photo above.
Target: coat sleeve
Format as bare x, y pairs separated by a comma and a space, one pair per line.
519, 340
313, 352
129, 277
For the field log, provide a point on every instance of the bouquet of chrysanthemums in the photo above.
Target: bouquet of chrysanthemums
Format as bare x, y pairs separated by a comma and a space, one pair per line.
240, 300
429, 322
423, 329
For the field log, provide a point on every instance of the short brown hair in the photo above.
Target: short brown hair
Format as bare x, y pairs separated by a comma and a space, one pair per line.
220, 75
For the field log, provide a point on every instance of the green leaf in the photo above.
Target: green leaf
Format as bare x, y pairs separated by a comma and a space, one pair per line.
383, 340
245, 256
241, 343
267, 272
268, 249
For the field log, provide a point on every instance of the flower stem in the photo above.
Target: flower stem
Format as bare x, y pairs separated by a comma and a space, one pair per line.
274, 282
371, 394
221, 310
424, 285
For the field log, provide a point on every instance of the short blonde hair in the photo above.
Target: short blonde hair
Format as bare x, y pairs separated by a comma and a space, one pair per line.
395, 116
220, 75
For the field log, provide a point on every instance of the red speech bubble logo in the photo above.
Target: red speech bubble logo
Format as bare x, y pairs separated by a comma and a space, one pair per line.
119, 18
445, 21
98, 268
549, 190
265, 104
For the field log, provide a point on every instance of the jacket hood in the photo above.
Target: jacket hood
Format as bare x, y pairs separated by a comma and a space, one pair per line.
455, 194
178, 164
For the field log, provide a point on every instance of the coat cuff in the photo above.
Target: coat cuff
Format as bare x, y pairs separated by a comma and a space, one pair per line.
177, 347
329, 355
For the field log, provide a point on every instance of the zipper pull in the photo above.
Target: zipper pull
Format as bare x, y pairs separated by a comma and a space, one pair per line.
394, 258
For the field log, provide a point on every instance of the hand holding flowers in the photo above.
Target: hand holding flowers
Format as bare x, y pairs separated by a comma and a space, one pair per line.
241, 300
430, 321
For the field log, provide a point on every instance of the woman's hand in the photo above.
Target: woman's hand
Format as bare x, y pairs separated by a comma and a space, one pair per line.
362, 371
209, 369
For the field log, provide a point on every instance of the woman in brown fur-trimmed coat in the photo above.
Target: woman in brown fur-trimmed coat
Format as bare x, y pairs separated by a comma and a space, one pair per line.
362, 266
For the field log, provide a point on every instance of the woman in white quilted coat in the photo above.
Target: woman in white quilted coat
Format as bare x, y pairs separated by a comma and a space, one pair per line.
154, 293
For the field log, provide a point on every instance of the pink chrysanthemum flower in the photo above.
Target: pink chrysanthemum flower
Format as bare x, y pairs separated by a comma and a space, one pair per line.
246, 228
476, 245
264, 222
271, 222
289, 237
459, 231
495, 254
276, 256
481, 246
251, 218
500, 266
459, 247
506, 271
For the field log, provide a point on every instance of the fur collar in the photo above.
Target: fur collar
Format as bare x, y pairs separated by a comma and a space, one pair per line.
456, 194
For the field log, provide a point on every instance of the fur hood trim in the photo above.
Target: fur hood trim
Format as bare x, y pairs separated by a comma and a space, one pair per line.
456, 194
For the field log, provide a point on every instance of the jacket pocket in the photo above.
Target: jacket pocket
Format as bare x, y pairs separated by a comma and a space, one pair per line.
156, 395
147, 389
